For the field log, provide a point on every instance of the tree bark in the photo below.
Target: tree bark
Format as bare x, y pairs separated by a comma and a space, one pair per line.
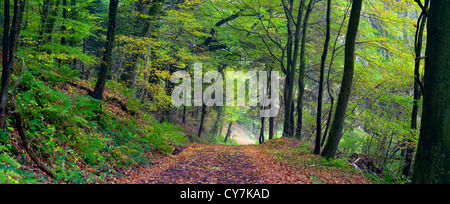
292, 57
335, 136
301, 76
322, 78
271, 127
433, 154
202, 120
10, 35
228, 132
63, 28
410, 147
329, 90
107, 56
261, 134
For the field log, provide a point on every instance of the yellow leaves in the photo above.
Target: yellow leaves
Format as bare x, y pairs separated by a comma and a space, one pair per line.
135, 45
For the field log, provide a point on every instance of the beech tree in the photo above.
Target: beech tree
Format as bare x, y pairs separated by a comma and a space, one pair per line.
418, 87
433, 154
10, 34
321, 80
107, 56
335, 136
301, 75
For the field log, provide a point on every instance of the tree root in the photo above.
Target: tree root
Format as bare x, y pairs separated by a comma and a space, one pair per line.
21, 130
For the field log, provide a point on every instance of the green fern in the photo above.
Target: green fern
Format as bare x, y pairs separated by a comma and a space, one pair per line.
9, 160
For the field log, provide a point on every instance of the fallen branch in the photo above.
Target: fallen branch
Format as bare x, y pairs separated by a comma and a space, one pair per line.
87, 89
356, 165
21, 130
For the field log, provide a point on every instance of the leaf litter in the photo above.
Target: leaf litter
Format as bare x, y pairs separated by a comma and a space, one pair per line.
270, 163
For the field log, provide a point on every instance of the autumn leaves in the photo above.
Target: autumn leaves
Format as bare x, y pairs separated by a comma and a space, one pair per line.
245, 164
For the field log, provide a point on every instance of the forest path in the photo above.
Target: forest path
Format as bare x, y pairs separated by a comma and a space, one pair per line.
218, 164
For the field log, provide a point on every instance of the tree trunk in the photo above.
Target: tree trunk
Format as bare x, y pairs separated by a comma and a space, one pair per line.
202, 120
63, 28
433, 154
329, 90
301, 76
322, 77
410, 147
228, 132
261, 134
10, 35
107, 56
44, 20
292, 56
184, 115
335, 136
271, 127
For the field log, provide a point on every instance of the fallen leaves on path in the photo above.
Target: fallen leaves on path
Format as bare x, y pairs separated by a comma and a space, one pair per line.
245, 164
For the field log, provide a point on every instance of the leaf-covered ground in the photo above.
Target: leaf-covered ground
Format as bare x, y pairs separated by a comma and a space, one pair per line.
281, 161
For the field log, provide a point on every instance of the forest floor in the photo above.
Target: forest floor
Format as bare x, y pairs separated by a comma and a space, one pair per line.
281, 161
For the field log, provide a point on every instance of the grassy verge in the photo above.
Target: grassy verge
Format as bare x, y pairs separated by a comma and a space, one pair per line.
299, 156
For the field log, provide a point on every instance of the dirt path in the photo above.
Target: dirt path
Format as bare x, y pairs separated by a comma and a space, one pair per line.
216, 164
276, 162
241, 135
210, 164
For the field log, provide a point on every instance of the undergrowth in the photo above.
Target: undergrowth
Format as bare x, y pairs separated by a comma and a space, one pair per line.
80, 139
320, 170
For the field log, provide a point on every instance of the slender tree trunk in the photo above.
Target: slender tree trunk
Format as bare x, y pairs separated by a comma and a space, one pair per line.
271, 119
410, 147
202, 120
48, 19
107, 56
63, 27
228, 132
292, 57
72, 41
44, 19
301, 76
330, 94
322, 78
184, 115
335, 136
271, 127
433, 153
261, 134
10, 35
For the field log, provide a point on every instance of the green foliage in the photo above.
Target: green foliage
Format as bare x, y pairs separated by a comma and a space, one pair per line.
339, 163
83, 141
354, 142
164, 137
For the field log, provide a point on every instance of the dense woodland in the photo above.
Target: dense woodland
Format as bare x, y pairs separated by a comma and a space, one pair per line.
86, 84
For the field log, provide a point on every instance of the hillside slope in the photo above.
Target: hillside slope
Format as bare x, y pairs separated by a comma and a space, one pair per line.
79, 139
